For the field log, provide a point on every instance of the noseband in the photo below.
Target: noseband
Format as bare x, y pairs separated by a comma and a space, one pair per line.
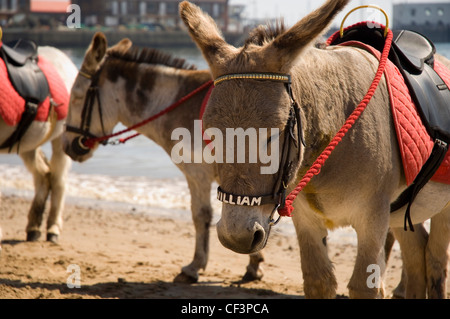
92, 95
285, 170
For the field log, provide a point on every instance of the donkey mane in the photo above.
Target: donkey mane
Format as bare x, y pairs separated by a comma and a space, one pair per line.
150, 56
265, 33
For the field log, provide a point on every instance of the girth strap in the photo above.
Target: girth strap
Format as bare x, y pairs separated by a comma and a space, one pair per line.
26, 120
428, 169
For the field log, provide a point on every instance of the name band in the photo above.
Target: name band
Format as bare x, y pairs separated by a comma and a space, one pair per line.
238, 199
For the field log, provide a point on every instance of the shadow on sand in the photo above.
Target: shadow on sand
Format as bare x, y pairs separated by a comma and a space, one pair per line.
154, 290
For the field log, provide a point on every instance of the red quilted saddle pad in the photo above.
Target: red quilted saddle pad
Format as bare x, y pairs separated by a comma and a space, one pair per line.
414, 141
12, 105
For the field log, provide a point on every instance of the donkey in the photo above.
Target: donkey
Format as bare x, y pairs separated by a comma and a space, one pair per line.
135, 84
49, 176
361, 178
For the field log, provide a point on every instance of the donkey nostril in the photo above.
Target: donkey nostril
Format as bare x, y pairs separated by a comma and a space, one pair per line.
258, 237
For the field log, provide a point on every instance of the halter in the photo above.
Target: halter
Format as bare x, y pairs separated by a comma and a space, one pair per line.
285, 170
92, 94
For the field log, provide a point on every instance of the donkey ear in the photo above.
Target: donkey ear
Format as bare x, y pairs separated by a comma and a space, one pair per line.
122, 46
205, 34
95, 52
290, 44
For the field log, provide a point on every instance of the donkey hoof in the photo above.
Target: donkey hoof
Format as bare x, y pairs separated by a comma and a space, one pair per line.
185, 279
53, 238
252, 276
33, 235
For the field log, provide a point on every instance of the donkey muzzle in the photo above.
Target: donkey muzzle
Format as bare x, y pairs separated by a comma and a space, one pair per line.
78, 146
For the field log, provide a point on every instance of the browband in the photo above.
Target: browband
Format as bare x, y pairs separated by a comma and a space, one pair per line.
284, 78
87, 75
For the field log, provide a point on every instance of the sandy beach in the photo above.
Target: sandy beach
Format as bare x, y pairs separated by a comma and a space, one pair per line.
135, 255
134, 247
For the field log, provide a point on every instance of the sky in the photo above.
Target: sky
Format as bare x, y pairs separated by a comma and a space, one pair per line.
294, 10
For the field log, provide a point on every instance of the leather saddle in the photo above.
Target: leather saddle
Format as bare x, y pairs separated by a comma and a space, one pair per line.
416, 56
28, 80
413, 54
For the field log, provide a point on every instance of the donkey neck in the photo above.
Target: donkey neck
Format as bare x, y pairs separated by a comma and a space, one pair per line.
328, 84
149, 89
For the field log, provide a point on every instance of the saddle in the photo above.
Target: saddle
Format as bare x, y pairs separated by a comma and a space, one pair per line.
28, 80
413, 55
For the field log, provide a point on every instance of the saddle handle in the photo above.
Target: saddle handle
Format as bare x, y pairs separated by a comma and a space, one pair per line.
386, 29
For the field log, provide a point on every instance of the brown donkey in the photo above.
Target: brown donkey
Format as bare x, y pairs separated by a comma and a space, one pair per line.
135, 84
361, 178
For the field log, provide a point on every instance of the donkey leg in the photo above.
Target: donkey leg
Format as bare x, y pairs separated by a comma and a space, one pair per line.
200, 190
413, 283
59, 166
36, 162
437, 254
254, 271
372, 229
319, 280
389, 243
400, 291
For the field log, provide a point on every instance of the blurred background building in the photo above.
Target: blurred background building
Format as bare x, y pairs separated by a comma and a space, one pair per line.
429, 18
150, 14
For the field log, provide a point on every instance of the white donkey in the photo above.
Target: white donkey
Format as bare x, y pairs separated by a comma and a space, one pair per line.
48, 176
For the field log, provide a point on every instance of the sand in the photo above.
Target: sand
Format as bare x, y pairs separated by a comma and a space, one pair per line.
131, 254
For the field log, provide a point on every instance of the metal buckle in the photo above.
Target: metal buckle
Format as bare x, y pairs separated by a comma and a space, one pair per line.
272, 221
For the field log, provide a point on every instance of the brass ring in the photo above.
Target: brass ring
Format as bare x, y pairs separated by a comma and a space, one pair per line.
272, 221
386, 29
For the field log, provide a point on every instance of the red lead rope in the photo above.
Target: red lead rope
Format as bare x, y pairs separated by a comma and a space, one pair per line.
320, 161
90, 142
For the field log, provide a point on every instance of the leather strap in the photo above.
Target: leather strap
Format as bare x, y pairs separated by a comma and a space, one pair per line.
428, 169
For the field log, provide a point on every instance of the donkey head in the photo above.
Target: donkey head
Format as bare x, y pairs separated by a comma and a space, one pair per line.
85, 115
253, 103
